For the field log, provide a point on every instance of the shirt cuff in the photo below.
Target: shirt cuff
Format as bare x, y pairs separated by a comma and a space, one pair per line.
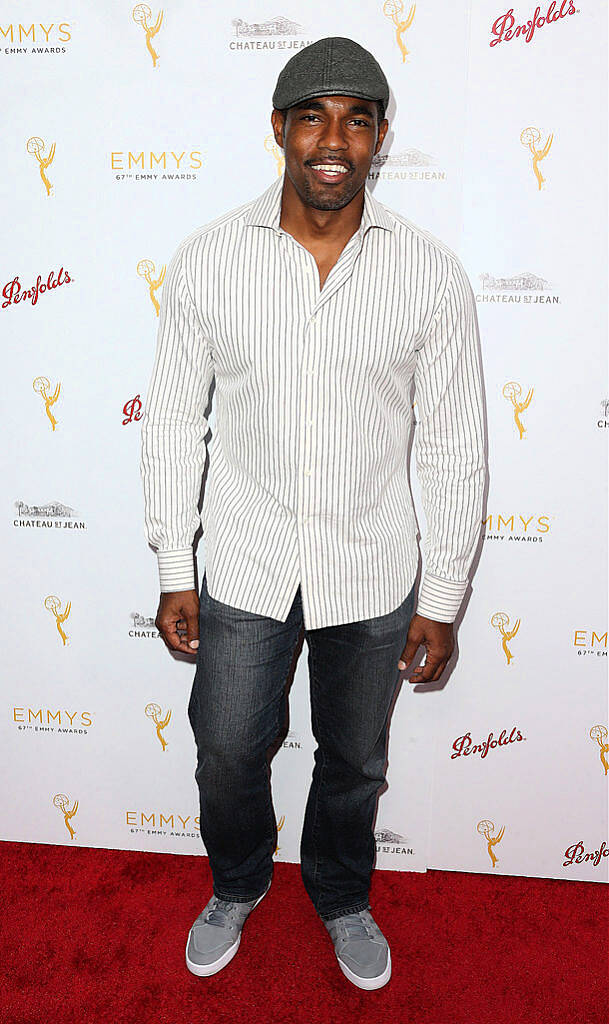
440, 599
176, 570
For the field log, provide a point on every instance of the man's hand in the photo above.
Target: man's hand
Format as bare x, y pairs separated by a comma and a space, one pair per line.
437, 639
178, 613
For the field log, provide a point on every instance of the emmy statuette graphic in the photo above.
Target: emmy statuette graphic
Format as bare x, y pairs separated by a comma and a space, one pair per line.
53, 604
35, 146
512, 391
486, 828
146, 269
530, 137
61, 801
154, 712
42, 386
500, 621
142, 15
393, 9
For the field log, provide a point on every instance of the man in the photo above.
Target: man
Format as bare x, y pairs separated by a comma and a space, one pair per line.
314, 308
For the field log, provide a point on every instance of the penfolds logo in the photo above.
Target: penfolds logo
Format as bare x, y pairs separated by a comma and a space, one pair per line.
464, 745
577, 854
13, 291
505, 27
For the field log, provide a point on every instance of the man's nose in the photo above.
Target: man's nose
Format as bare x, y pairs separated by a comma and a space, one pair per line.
332, 135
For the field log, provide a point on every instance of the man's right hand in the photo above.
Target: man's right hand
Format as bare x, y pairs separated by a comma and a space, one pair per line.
177, 620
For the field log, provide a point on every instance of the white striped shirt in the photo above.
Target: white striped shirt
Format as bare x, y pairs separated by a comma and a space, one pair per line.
308, 469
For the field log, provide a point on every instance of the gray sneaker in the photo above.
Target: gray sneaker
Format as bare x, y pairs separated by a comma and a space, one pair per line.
361, 949
214, 937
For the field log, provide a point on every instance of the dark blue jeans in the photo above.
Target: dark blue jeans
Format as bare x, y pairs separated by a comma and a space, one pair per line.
235, 709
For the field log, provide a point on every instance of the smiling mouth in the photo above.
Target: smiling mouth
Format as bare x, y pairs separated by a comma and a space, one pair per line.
330, 172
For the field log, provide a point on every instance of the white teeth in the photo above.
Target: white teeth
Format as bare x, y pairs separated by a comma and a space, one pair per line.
331, 168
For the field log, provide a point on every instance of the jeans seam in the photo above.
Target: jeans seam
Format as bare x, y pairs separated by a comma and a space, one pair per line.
237, 899
277, 729
314, 830
354, 908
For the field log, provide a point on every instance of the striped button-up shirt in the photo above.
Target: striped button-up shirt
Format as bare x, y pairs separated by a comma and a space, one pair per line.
308, 458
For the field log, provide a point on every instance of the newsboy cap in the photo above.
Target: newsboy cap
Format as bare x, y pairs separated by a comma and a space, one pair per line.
332, 66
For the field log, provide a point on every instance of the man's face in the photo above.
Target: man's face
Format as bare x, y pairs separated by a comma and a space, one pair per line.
338, 133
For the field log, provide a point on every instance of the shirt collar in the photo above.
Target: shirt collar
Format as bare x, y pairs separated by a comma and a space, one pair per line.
265, 211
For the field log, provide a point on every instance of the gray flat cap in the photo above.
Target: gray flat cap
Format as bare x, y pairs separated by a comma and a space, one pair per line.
332, 66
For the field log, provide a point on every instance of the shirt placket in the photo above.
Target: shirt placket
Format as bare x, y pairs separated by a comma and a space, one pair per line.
308, 439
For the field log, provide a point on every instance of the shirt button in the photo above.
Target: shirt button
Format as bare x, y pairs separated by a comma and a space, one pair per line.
307, 472
313, 319
309, 423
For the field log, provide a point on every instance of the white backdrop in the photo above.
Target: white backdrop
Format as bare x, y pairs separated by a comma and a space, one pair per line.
115, 148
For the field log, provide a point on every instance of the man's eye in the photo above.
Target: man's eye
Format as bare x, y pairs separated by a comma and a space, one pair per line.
355, 120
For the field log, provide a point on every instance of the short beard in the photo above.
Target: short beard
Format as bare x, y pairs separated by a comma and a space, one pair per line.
311, 199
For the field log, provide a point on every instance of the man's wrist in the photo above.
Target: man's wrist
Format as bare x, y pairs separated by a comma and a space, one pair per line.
176, 570
440, 599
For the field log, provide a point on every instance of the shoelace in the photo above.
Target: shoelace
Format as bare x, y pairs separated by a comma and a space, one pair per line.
219, 914
356, 927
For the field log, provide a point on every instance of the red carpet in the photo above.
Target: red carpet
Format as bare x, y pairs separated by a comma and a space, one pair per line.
97, 937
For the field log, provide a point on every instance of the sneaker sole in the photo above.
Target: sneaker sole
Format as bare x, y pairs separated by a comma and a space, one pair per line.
205, 970
367, 983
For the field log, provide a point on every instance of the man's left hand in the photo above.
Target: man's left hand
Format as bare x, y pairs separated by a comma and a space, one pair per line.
437, 639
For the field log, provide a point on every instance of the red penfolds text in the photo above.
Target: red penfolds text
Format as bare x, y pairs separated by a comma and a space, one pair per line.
14, 292
505, 26
577, 854
464, 745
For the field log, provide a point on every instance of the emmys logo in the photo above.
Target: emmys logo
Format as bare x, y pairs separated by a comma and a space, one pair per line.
42, 387
146, 269
486, 828
604, 421
142, 15
280, 825
47, 720
271, 147
154, 712
53, 605
589, 642
530, 137
159, 824
20, 33
35, 147
464, 745
599, 733
393, 9
513, 391
503, 28
132, 410
576, 854
149, 160
518, 529
500, 621
388, 841
13, 293
61, 802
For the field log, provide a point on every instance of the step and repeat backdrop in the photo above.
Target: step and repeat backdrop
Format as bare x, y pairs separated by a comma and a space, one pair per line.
129, 126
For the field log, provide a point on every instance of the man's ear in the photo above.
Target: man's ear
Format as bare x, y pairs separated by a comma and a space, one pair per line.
282, 125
